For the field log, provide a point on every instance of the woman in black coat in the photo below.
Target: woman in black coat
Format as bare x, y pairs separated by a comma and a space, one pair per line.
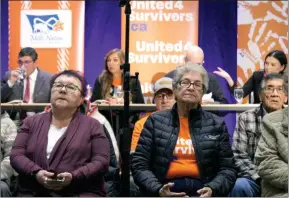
275, 62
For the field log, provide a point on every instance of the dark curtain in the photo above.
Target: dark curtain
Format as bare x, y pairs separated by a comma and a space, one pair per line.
218, 39
102, 33
4, 37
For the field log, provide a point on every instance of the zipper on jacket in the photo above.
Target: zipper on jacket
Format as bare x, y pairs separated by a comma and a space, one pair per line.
174, 133
169, 147
196, 148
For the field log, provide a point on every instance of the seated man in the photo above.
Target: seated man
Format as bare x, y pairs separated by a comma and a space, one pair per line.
196, 55
273, 95
28, 83
184, 151
272, 155
8, 135
163, 98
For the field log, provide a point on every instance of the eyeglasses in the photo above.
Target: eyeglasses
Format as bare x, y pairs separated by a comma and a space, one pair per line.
187, 84
270, 89
163, 95
27, 62
70, 88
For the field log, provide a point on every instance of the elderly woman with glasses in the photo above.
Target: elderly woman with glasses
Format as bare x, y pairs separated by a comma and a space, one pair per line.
185, 151
61, 152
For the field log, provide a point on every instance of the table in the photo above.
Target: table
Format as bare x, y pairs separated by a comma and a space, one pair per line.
133, 107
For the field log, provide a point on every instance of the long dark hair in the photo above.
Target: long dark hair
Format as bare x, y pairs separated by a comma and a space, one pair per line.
280, 56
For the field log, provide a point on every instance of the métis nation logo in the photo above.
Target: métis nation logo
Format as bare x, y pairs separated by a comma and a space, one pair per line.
46, 27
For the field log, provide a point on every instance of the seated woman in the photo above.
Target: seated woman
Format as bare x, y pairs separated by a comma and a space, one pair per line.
275, 62
61, 152
272, 155
111, 79
184, 150
112, 177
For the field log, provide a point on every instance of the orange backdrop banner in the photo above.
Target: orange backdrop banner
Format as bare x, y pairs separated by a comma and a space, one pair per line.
160, 32
54, 28
262, 27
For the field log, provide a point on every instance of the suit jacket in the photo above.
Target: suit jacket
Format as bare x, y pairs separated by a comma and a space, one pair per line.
83, 151
214, 87
41, 93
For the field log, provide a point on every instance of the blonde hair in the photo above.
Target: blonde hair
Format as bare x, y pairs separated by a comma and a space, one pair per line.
106, 77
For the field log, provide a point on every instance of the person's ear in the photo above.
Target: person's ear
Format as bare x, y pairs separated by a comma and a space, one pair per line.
282, 69
260, 96
185, 59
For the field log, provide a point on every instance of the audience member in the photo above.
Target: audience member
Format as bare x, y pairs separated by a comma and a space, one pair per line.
8, 135
273, 95
163, 98
111, 79
272, 155
61, 152
27, 83
185, 151
112, 177
196, 55
275, 62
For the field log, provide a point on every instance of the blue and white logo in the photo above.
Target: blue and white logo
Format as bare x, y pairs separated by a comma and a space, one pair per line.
46, 28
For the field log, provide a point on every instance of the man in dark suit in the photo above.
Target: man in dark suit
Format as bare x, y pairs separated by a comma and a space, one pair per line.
196, 55
32, 87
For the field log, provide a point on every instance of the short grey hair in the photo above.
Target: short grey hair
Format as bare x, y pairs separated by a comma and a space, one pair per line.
191, 67
273, 76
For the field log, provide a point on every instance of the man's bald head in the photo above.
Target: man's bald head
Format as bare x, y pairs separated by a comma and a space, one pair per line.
195, 55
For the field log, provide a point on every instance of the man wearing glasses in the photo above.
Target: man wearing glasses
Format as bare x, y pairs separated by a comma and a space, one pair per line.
214, 93
273, 95
27, 83
163, 98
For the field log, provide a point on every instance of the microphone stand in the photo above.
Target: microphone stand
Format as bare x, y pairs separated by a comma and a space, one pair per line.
125, 141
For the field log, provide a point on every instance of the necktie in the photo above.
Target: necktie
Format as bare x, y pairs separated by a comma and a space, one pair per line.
27, 90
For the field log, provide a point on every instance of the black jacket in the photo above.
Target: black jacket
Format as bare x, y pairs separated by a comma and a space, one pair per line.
214, 87
135, 89
112, 177
252, 85
151, 160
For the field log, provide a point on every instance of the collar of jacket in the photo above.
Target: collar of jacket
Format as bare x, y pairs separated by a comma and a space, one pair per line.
259, 111
194, 114
285, 121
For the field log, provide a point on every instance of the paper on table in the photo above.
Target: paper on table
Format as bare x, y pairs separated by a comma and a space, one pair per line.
207, 96
15, 101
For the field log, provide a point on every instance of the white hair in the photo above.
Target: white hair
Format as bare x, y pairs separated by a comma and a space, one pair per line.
191, 67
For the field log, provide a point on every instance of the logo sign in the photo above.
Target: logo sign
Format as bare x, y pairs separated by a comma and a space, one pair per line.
46, 28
